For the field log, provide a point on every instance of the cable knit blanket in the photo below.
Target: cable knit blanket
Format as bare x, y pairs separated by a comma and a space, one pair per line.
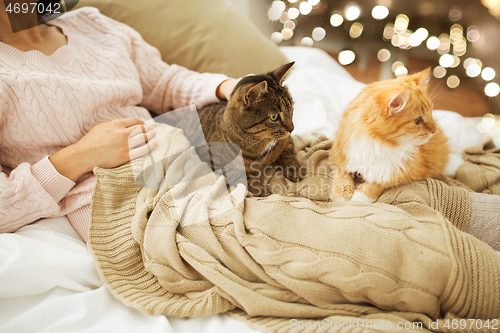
168, 237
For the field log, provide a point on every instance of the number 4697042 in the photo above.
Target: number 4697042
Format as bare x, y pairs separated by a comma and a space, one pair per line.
33, 7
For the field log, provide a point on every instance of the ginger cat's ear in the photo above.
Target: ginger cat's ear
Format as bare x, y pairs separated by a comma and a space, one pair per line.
282, 71
423, 78
254, 92
398, 102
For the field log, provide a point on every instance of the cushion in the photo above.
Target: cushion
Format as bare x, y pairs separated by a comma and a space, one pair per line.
202, 35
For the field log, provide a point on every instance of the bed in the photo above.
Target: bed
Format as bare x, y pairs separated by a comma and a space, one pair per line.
48, 280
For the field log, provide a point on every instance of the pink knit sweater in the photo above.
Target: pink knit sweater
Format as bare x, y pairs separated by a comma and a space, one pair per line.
48, 102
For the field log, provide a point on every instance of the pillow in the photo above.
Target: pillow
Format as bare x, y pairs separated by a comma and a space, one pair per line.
202, 35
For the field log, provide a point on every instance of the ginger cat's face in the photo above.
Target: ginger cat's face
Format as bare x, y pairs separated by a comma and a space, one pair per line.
404, 111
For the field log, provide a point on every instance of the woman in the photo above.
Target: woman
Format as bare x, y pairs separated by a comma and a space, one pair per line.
69, 96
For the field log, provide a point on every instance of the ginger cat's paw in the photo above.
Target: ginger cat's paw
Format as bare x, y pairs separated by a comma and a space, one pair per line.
358, 196
341, 190
368, 192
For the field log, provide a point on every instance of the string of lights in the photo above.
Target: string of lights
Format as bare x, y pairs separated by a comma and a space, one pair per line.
451, 46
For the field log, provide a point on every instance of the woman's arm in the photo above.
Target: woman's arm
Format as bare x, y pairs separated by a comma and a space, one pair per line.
30, 192
167, 87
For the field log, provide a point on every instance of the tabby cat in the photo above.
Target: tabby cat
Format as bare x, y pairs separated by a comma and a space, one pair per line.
387, 137
256, 121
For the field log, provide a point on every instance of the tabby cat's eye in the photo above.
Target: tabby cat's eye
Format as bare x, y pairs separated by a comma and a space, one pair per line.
418, 120
275, 117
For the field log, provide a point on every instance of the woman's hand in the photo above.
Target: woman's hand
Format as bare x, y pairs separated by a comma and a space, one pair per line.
225, 88
106, 145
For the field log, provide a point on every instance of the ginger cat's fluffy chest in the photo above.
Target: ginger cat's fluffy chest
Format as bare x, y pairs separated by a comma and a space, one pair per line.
376, 162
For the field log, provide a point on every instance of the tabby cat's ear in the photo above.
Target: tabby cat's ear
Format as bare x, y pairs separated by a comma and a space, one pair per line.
398, 102
253, 93
282, 71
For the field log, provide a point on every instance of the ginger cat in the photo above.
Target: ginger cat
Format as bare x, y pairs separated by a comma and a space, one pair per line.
387, 136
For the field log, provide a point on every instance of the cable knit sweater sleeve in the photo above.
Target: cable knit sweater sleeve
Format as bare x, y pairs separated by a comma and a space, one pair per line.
30, 192
165, 86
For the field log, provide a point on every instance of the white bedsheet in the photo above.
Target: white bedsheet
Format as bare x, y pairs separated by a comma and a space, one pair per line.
48, 282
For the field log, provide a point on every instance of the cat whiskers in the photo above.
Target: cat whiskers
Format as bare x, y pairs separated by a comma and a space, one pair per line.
434, 94
253, 144
270, 146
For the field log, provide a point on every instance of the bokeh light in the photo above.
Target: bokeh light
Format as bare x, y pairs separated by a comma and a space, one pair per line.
487, 123
395, 66
446, 60
470, 61
400, 71
488, 74
380, 12
460, 46
422, 33
318, 33
439, 72
277, 37
388, 31
456, 33
455, 13
453, 81
473, 70
279, 5
307, 41
346, 57
274, 14
415, 40
397, 40
289, 24
492, 89
384, 55
401, 23
456, 61
287, 33
284, 17
352, 12
433, 43
356, 30
293, 13
305, 8
473, 34
336, 20
444, 44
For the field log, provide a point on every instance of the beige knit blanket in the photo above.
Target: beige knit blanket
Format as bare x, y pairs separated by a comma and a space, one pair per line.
169, 238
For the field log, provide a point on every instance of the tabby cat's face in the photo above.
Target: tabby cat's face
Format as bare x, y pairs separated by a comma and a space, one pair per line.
262, 107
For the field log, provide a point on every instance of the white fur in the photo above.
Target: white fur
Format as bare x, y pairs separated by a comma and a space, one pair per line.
376, 162
270, 145
358, 196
